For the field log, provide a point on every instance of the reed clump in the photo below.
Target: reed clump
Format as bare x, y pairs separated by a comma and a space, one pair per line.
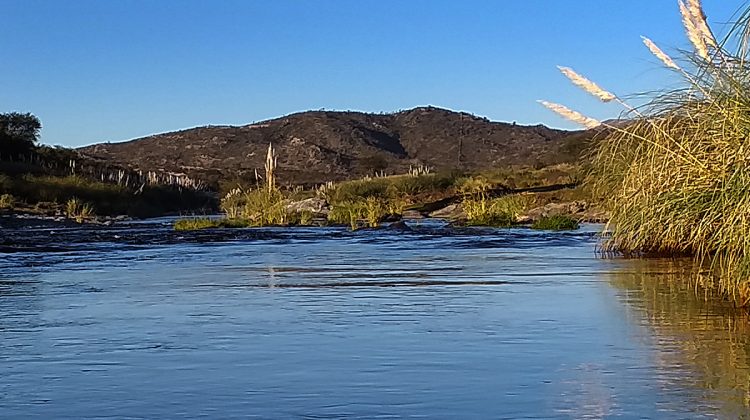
369, 212
676, 175
496, 212
78, 210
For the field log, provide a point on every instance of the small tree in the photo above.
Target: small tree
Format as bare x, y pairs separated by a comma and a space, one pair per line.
19, 133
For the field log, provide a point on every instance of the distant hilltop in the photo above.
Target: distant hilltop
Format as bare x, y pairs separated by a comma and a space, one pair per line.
319, 146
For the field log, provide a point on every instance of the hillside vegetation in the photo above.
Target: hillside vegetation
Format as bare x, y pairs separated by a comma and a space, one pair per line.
319, 146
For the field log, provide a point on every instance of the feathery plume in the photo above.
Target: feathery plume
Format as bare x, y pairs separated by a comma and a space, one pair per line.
693, 33
658, 53
699, 20
571, 115
586, 84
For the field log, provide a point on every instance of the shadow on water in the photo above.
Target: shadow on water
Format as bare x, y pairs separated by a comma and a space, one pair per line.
692, 331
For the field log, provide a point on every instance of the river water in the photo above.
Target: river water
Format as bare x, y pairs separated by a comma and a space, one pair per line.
138, 321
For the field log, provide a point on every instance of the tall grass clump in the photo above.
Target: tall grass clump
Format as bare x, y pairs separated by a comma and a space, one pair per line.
676, 175
498, 212
368, 212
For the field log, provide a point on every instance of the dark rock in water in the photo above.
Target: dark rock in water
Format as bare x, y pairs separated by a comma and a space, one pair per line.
400, 226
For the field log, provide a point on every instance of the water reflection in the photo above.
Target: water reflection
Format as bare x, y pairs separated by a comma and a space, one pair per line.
693, 331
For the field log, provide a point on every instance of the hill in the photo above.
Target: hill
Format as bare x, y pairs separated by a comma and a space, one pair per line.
320, 146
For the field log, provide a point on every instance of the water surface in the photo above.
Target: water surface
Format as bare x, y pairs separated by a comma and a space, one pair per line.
138, 321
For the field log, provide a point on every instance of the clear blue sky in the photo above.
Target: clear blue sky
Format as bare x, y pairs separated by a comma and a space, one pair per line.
114, 70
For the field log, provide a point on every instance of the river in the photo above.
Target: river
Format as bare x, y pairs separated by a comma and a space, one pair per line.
139, 321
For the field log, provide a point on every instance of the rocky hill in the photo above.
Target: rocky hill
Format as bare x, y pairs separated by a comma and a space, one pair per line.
319, 146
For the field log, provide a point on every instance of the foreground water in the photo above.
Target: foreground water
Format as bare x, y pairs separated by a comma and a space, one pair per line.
138, 321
